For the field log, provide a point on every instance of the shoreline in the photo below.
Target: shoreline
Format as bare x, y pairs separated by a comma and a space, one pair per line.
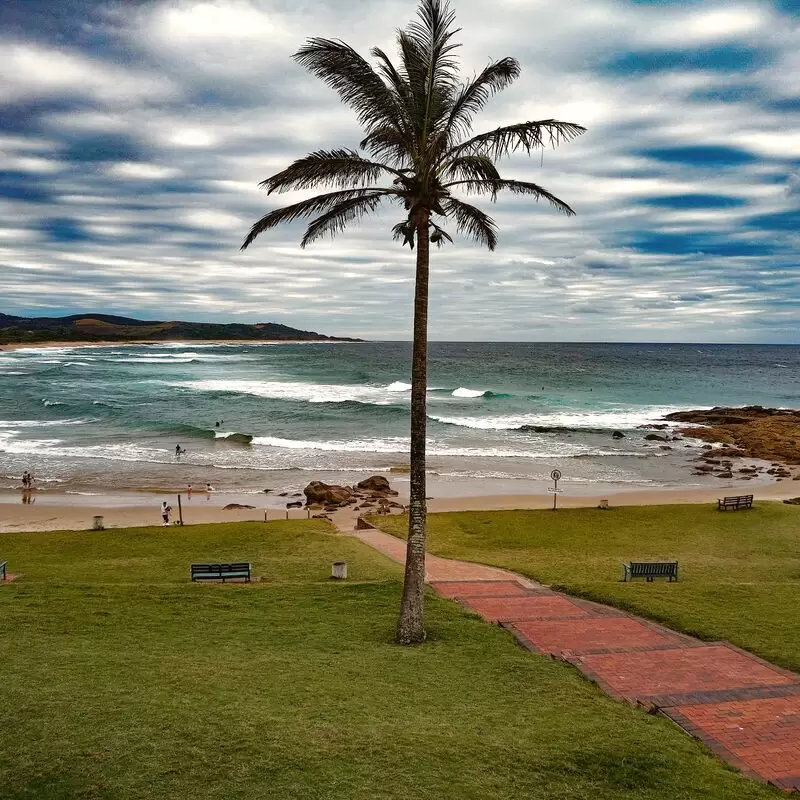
183, 342
16, 517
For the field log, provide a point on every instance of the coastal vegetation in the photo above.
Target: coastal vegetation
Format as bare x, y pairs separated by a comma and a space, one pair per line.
418, 120
739, 571
120, 679
109, 328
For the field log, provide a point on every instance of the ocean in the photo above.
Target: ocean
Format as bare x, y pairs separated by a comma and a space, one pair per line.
94, 420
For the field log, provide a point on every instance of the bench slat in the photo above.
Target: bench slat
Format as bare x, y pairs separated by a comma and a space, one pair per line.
735, 502
223, 572
650, 570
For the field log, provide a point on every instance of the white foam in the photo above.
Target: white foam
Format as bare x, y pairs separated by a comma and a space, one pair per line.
625, 419
401, 445
281, 390
398, 386
462, 392
39, 423
152, 360
48, 403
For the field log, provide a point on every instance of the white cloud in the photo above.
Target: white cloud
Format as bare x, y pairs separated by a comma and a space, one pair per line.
30, 71
146, 172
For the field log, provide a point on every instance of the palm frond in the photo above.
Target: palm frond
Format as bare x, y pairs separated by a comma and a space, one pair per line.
439, 235
352, 77
391, 75
426, 48
472, 222
340, 216
470, 168
525, 136
479, 186
340, 168
389, 143
476, 94
404, 230
322, 203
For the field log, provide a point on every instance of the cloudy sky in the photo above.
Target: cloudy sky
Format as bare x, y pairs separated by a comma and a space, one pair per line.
133, 136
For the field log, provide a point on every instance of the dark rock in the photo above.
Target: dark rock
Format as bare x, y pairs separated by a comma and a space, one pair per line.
794, 501
714, 461
233, 506
377, 483
320, 516
618, 435
283, 494
295, 504
725, 474
703, 468
655, 437
327, 494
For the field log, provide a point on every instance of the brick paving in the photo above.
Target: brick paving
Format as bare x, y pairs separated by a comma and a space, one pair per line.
744, 709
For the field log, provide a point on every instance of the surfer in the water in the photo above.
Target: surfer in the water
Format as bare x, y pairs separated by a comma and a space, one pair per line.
179, 451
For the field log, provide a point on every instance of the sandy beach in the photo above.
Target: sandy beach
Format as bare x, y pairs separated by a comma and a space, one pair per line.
60, 512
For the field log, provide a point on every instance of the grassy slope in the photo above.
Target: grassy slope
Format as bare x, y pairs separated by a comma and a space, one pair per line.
739, 571
120, 679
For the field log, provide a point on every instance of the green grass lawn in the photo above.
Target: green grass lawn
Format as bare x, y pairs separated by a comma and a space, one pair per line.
121, 679
739, 571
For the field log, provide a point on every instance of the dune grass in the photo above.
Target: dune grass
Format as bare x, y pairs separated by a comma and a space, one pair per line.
121, 679
739, 571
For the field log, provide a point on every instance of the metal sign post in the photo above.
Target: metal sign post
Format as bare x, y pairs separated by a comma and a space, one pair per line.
554, 490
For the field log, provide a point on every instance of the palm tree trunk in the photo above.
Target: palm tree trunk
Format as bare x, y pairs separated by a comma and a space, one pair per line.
410, 626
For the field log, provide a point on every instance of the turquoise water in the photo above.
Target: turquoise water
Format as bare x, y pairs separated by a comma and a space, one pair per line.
86, 418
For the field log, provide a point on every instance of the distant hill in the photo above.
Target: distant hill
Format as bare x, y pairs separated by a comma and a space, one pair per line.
107, 327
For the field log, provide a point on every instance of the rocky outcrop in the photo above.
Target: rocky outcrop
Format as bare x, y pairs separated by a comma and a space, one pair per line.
327, 497
376, 484
324, 494
235, 506
772, 434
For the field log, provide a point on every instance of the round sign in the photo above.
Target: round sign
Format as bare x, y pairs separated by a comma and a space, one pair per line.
556, 474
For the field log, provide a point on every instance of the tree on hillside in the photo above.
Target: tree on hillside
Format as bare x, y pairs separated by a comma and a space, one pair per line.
417, 118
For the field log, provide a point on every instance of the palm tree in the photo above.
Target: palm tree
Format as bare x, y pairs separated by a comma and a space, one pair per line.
417, 118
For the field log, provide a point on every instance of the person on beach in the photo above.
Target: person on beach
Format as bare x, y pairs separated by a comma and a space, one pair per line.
165, 512
209, 487
189, 491
26, 480
179, 451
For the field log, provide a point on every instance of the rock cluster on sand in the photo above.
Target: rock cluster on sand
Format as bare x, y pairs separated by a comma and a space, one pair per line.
372, 493
771, 434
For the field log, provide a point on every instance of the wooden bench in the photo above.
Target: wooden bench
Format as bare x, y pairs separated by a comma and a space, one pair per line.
735, 503
3, 569
221, 572
650, 570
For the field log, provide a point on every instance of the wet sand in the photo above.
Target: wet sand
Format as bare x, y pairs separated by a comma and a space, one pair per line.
59, 512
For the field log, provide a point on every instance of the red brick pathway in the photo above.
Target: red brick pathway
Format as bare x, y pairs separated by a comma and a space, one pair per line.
745, 710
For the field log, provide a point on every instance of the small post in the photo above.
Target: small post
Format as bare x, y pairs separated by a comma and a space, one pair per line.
339, 570
180, 512
98, 525
265, 515
556, 476
287, 513
308, 513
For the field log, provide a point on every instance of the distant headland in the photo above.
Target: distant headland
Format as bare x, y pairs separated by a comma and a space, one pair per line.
90, 327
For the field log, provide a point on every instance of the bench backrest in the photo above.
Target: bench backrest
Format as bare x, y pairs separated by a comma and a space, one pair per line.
203, 569
742, 498
653, 567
